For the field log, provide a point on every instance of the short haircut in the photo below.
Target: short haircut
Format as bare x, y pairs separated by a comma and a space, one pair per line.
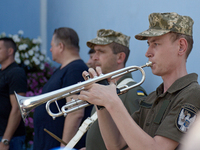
9, 43
67, 36
118, 48
175, 36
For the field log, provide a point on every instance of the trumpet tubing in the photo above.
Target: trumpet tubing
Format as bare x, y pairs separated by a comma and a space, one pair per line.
26, 104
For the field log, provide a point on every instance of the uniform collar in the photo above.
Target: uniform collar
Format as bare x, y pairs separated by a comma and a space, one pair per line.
178, 84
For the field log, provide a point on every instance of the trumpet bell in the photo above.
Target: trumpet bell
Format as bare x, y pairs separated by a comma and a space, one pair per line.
24, 105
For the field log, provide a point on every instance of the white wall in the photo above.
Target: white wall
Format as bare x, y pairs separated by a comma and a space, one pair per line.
127, 16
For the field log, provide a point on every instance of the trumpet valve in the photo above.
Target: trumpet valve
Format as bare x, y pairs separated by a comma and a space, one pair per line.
65, 114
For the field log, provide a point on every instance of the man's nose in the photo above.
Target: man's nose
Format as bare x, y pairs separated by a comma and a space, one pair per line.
95, 57
149, 52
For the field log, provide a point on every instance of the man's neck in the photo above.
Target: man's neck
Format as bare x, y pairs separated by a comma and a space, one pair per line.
69, 60
170, 79
6, 63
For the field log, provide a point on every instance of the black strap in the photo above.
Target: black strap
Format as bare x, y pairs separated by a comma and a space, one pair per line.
103, 82
161, 111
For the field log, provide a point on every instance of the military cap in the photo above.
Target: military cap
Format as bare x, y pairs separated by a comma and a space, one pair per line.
108, 36
162, 23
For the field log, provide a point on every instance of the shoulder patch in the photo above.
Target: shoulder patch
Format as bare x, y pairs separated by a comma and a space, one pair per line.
186, 117
140, 93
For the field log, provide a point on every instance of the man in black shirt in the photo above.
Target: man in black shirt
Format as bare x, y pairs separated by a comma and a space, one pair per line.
12, 78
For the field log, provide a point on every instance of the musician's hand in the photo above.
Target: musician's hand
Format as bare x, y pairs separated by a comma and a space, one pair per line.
95, 93
99, 94
91, 73
84, 148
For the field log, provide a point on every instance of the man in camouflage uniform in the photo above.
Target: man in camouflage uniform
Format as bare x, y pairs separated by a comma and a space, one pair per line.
165, 114
111, 53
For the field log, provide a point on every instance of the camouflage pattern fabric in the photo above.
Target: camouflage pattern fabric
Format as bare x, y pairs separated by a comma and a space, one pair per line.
105, 37
162, 23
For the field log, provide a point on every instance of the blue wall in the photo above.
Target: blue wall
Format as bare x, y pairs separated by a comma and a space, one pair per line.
87, 16
127, 16
20, 15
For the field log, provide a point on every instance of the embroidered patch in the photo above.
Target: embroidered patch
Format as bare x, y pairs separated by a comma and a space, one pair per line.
186, 117
141, 93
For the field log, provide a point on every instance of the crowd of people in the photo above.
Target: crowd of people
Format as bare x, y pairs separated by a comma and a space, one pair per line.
133, 120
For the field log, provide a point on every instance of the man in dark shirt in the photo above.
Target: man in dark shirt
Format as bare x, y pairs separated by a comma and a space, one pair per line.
12, 78
65, 51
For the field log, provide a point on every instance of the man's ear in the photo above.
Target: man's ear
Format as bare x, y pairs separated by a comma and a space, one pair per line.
183, 45
121, 57
10, 51
61, 45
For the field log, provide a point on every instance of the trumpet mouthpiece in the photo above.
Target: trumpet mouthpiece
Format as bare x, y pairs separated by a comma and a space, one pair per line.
149, 64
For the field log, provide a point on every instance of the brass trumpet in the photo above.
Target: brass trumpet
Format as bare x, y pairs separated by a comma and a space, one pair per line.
26, 104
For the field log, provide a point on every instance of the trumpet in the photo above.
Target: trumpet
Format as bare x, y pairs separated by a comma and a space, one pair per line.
26, 104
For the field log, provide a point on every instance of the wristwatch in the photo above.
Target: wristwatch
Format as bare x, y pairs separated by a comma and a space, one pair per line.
5, 141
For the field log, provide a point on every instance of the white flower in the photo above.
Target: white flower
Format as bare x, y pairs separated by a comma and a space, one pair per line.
26, 62
22, 47
26, 55
20, 32
30, 52
16, 38
42, 66
17, 59
16, 54
36, 48
37, 41
34, 41
36, 61
41, 57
